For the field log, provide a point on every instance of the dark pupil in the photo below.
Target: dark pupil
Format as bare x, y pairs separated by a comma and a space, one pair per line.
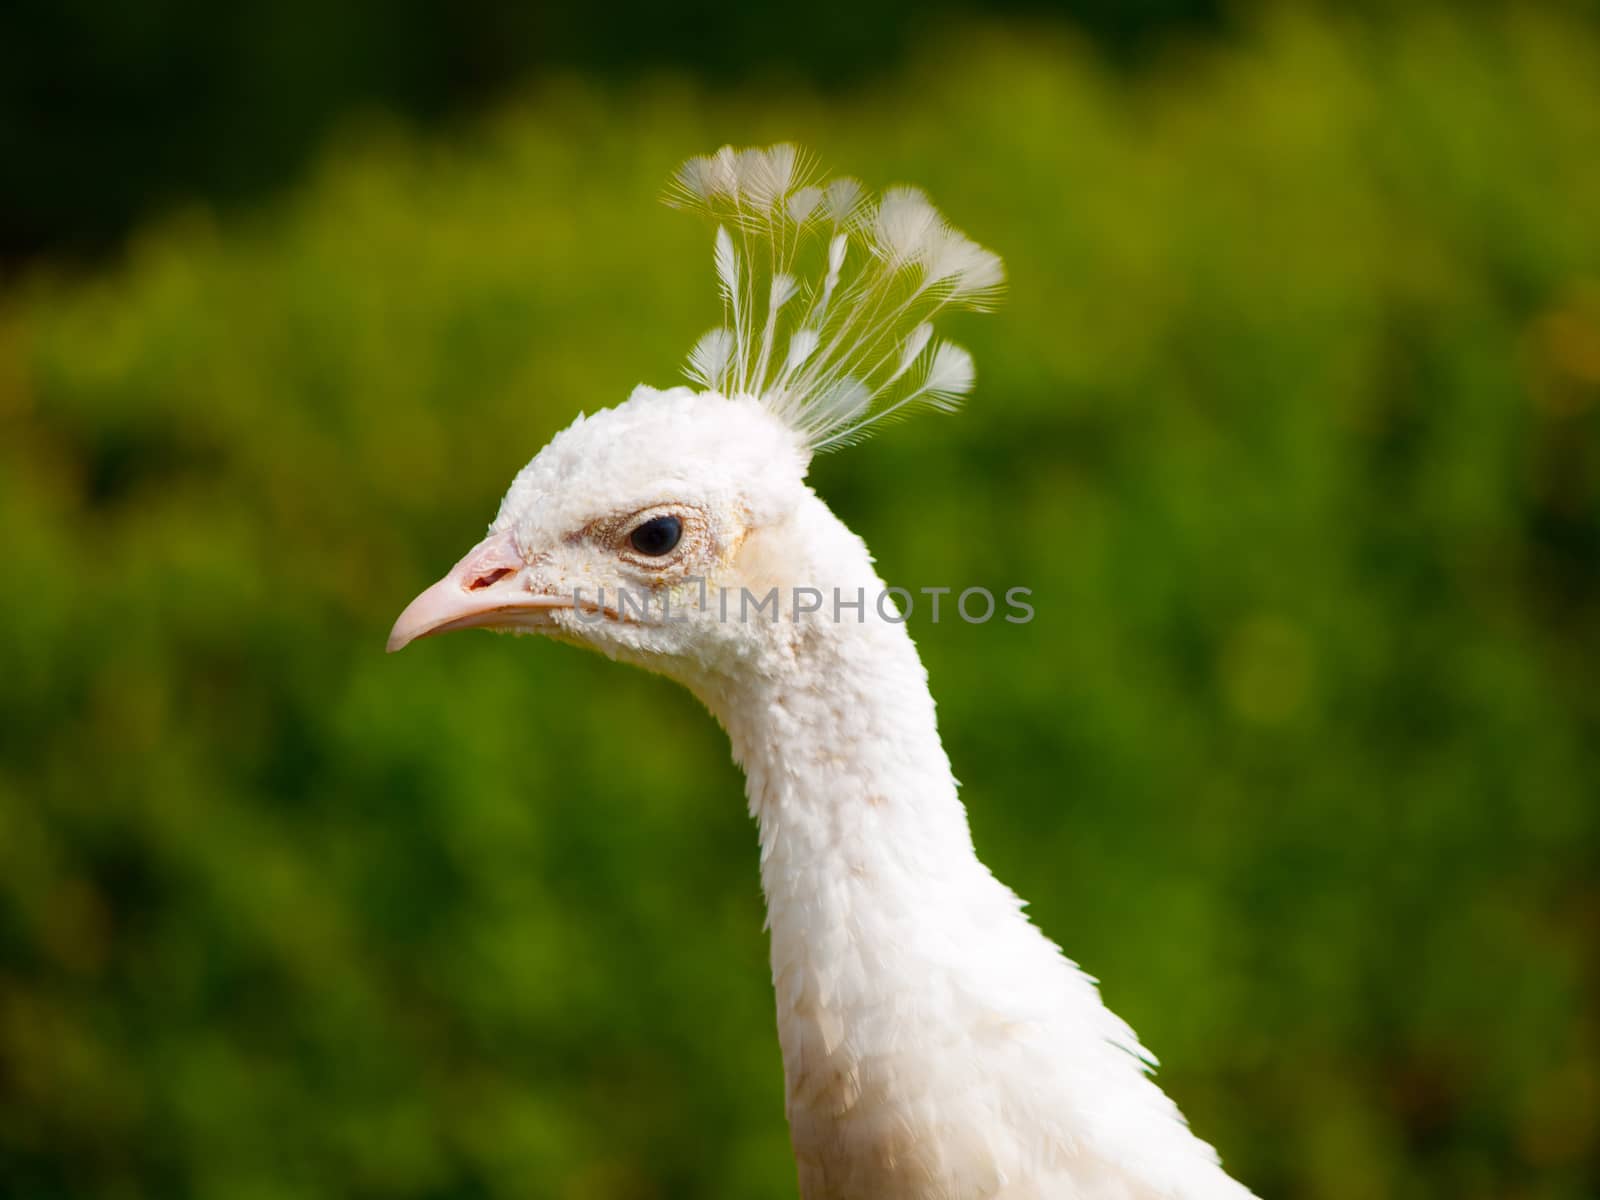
657, 536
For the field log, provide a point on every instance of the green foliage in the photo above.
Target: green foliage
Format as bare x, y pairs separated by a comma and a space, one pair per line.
1290, 421
110, 110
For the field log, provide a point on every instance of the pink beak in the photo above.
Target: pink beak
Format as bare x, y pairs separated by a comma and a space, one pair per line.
491, 586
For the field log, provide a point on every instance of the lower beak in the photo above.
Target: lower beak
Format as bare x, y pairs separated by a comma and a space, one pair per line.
491, 586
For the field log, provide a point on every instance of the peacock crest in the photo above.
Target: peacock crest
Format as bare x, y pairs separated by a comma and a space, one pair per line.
829, 293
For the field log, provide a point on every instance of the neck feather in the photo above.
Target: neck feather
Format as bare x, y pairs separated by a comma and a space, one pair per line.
899, 962
835, 728
887, 932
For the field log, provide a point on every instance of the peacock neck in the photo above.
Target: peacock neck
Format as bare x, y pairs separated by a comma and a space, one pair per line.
935, 1044
886, 931
834, 725
845, 773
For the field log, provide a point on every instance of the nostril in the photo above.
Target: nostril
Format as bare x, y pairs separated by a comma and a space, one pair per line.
489, 578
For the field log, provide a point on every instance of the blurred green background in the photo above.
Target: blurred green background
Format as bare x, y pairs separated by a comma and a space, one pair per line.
1291, 420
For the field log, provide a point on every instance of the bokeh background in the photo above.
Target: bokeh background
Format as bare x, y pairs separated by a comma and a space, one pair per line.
1291, 420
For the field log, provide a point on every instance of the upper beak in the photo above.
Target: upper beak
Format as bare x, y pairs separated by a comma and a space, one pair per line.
492, 585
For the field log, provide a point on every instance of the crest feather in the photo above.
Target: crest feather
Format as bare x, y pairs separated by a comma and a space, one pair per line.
829, 294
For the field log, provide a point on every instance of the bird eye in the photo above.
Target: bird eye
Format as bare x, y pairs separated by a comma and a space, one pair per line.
657, 536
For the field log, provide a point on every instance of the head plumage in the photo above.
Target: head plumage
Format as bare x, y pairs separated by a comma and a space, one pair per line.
829, 293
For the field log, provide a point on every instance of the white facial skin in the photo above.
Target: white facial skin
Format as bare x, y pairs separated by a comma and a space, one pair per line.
729, 472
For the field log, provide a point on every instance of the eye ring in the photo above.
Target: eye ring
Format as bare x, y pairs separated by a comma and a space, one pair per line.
657, 536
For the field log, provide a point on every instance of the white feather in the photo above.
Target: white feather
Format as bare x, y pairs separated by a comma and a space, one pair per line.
801, 346
843, 197
854, 352
950, 375
804, 203
844, 399
726, 260
783, 289
836, 251
708, 361
905, 226
912, 347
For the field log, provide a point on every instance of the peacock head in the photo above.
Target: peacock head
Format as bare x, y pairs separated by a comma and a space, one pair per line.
625, 531
633, 527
